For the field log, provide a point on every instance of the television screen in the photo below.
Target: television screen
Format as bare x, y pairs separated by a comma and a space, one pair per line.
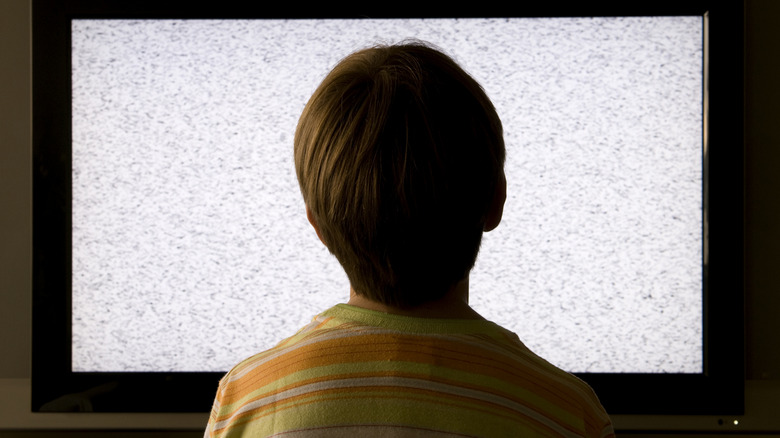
191, 249
188, 248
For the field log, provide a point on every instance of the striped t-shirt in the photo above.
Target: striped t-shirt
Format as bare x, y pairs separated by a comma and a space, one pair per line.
354, 372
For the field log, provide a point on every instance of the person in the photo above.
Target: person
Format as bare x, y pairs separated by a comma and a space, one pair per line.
399, 155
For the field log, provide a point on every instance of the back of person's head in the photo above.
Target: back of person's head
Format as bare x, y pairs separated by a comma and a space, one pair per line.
399, 154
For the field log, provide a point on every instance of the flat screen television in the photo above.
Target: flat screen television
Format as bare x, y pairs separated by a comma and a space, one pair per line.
170, 239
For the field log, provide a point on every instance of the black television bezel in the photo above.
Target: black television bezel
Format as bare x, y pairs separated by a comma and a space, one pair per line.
719, 390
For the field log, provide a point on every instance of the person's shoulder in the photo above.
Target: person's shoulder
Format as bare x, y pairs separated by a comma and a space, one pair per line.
284, 346
532, 377
546, 372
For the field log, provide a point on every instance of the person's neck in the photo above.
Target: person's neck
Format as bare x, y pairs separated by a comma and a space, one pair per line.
454, 305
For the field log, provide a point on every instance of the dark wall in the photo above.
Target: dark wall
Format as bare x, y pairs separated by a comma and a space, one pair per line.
762, 215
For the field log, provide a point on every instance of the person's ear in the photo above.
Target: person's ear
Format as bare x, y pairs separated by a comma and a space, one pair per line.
313, 222
496, 211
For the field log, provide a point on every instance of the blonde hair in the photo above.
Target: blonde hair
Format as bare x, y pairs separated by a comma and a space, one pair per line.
398, 154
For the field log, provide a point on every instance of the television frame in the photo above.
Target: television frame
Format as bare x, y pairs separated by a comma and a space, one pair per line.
718, 390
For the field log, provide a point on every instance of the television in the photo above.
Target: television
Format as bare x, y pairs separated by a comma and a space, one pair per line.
170, 238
